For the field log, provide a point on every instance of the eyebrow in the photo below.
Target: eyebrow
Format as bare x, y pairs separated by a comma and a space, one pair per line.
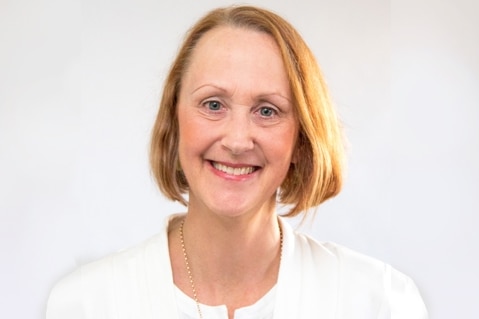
276, 95
225, 90
211, 85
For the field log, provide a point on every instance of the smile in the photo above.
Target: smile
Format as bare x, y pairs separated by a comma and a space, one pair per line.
236, 171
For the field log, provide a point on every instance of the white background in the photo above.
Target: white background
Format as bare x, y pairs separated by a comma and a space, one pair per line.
79, 88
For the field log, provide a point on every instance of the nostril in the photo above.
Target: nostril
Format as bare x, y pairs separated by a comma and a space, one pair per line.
237, 146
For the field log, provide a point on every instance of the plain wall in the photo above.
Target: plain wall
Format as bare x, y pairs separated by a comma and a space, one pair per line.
79, 88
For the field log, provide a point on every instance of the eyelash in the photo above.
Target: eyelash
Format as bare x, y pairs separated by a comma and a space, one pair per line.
274, 111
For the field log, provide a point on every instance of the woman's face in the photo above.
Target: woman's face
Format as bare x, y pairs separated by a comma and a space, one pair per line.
237, 122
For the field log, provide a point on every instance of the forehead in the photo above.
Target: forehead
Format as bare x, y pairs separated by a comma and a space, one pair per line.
225, 41
228, 34
240, 55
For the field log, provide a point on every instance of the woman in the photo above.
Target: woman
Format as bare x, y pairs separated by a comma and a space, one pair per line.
245, 122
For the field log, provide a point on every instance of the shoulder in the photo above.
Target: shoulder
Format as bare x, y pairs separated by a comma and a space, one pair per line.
115, 266
359, 286
365, 278
357, 269
346, 261
340, 257
350, 266
103, 284
355, 263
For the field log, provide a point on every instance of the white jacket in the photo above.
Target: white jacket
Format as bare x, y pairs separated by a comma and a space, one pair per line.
316, 280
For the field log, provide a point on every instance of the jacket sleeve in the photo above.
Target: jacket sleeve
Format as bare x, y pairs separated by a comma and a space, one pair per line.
65, 300
405, 301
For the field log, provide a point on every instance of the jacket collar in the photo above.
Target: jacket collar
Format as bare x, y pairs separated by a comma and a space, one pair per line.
308, 278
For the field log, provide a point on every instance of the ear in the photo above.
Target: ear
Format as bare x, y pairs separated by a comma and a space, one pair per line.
297, 150
296, 154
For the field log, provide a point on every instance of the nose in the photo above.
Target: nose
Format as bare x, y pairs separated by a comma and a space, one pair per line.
238, 134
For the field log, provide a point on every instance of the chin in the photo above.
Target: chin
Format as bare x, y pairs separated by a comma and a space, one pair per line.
235, 209
231, 212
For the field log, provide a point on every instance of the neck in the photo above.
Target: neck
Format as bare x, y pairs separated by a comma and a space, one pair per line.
231, 247
234, 261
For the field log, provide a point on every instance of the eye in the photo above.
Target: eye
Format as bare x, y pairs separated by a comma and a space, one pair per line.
213, 105
267, 111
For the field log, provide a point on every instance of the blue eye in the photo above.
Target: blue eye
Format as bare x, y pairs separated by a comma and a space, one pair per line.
213, 105
266, 112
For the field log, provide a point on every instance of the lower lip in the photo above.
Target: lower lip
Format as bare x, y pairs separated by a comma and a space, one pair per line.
238, 178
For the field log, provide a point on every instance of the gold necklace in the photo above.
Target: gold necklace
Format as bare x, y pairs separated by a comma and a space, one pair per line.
188, 268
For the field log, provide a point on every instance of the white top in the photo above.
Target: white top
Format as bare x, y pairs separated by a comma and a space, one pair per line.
315, 280
262, 309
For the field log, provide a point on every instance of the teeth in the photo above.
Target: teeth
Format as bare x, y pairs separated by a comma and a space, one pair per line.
232, 170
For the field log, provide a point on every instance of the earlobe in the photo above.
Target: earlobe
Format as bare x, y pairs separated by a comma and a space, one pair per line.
296, 152
295, 157
298, 147
178, 167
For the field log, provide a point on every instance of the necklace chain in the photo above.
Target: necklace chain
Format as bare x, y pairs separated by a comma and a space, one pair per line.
188, 268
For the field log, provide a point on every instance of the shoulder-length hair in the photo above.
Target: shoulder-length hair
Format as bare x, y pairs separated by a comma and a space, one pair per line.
316, 174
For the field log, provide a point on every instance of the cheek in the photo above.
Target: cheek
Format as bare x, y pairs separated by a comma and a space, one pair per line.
284, 141
187, 126
193, 135
186, 134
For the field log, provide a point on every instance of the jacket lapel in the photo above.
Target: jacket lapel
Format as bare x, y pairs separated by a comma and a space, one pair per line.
161, 286
308, 278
